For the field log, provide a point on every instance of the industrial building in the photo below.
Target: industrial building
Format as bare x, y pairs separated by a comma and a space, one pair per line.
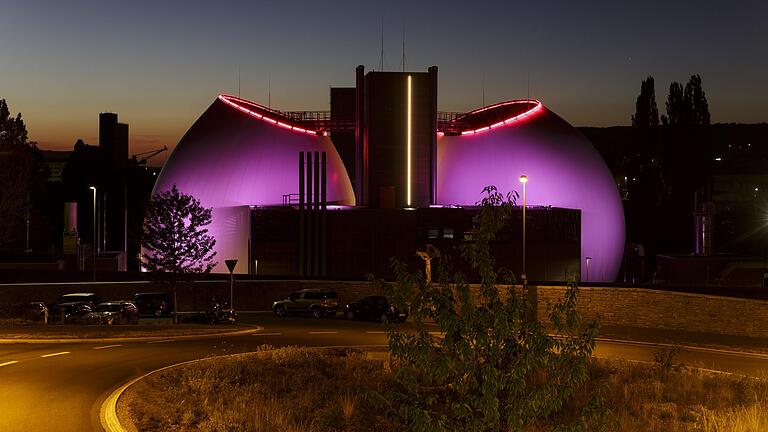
383, 173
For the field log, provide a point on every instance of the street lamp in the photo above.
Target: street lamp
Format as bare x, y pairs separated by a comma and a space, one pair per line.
524, 180
587, 259
93, 188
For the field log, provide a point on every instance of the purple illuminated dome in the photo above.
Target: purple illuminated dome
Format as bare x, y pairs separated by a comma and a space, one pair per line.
238, 154
496, 145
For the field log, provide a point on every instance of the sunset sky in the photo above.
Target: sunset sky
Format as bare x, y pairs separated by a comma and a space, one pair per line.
159, 64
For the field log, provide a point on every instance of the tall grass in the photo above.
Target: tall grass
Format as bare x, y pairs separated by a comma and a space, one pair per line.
287, 389
294, 389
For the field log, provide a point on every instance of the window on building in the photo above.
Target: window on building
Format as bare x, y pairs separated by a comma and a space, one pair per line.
448, 233
433, 233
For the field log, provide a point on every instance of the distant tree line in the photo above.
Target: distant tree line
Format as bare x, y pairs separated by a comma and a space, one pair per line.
659, 164
22, 176
686, 107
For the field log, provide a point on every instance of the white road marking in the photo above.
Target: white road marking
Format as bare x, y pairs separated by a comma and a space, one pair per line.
8, 363
266, 334
376, 332
161, 341
55, 354
323, 332
106, 346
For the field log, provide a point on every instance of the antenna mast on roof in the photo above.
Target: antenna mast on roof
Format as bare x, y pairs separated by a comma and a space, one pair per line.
269, 90
403, 47
483, 90
381, 55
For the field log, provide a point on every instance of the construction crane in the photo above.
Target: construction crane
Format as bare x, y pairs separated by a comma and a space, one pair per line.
142, 158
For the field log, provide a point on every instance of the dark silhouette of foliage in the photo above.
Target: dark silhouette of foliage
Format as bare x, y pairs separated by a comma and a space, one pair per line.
676, 109
175, 238
496, 368
21, 176
646, 112
696, 100
687, 107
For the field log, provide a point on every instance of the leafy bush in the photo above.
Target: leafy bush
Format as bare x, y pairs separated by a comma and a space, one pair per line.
492, 367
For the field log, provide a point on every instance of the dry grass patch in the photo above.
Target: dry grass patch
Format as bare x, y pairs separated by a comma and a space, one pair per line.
655, 398
294, 389
287, 389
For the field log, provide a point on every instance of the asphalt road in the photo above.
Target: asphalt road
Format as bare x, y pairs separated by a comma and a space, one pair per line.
61, 386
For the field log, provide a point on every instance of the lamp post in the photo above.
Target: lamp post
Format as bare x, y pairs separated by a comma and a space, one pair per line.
588, 259
524, 180
93, 188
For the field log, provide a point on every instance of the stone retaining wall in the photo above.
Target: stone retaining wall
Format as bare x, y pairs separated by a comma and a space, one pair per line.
648, 308
630, 307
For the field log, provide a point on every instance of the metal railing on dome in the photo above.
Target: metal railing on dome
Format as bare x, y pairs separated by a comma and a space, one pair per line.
290, 199
448, 122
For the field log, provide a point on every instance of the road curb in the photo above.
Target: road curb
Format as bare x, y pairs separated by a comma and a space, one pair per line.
108, 411
130, 339
686, 347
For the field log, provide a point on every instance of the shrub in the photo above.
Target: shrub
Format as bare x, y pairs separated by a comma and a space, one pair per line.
496, 367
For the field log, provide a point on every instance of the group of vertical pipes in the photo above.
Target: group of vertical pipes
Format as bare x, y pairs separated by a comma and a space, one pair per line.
312, 214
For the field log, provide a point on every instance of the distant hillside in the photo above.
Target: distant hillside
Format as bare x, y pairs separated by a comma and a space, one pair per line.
732, 142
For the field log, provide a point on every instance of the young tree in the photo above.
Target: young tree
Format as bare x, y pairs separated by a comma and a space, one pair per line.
176, 243
175, 238
496, 368
646, 112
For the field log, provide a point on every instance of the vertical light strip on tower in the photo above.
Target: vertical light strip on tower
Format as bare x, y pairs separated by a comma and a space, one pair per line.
409, 141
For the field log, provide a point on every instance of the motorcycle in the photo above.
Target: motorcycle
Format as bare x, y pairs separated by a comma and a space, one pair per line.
220, 315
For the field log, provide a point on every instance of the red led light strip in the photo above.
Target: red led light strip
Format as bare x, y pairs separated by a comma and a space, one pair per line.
537, 106
235, 102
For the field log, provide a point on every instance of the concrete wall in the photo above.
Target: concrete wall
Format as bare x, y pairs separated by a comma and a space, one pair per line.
647, 308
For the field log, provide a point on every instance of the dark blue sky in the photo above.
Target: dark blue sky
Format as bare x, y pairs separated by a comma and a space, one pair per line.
160, 64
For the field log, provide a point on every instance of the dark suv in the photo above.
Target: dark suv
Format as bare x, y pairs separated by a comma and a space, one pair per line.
375, 308
315, 302
157, 304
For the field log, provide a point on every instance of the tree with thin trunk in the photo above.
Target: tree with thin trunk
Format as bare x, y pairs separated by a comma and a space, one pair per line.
177, 245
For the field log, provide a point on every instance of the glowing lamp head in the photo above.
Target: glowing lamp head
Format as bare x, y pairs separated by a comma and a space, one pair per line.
93, 188
523, 179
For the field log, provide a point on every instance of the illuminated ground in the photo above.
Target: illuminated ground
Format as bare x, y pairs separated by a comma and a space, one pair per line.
61, 386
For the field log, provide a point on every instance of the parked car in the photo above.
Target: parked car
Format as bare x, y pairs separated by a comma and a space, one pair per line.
108, 313
90, 299
68, 313
33, 311
375, 308
157, 304
315, 302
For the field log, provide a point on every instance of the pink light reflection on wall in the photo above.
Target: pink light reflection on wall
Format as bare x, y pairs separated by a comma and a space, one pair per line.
563, 168
229, 159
